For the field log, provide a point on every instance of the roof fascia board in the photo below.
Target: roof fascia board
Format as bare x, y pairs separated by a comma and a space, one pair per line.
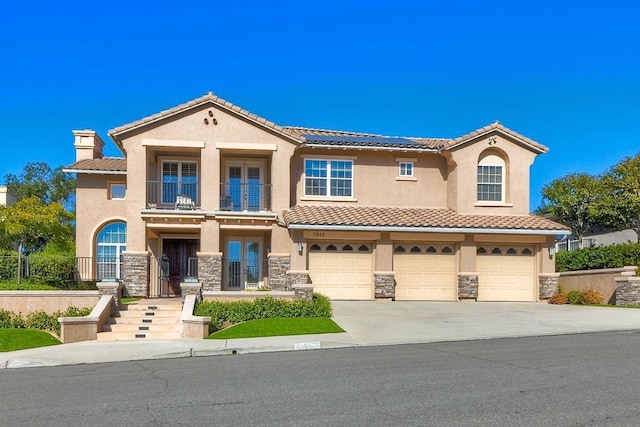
428, 229
503, 133
94, 172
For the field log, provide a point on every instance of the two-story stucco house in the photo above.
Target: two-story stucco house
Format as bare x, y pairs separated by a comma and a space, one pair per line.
208, 192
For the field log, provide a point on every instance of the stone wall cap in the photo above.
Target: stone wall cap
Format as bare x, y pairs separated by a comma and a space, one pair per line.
597, 271
302, 286
627, 279
548, 274
297, 271
467, 273
50, 293
385, 273
273, 254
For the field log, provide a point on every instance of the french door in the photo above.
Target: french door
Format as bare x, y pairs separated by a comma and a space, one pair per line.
245, 186
243, 263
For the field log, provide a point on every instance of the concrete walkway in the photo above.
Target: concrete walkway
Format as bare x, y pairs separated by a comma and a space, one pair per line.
366, 323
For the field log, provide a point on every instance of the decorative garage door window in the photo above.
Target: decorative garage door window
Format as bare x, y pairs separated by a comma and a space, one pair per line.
504, 250
340, 247
423, 249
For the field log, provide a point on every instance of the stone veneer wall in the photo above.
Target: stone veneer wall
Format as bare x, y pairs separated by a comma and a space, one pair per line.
468, 286
297, 277
548, 285
135, 274
112, 289
627, 290
303, 292
210, 271
385, 284
278, 266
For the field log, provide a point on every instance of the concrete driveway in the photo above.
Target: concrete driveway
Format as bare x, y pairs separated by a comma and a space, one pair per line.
383, 322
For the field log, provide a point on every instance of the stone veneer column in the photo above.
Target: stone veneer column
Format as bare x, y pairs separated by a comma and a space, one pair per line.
468, 286
191, 288
297, 277
210, 270
278, 265
548, 285
627, 290
135, 274
303, 292
385, 284
113, 289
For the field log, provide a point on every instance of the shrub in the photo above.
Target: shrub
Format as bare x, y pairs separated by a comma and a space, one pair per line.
222, 313
53, 268
613, 256
558, 299
10, 320
8, 264
575, 297
592, 297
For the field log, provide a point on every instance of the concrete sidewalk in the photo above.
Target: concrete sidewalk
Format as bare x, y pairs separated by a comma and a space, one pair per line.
366, 323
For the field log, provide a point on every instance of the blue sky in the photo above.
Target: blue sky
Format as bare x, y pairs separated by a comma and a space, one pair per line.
564, 73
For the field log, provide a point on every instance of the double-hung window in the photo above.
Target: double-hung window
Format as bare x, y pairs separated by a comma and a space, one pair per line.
491, 179
406, 169
328, 178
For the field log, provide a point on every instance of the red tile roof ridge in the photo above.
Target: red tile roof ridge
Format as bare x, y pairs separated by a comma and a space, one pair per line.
496, 126
321, 131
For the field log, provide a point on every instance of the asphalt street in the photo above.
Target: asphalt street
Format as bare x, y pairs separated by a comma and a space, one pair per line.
569, 380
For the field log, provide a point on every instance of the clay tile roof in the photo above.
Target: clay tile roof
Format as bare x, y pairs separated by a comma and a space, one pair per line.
369, 216
497, 126
208, 98
105, 164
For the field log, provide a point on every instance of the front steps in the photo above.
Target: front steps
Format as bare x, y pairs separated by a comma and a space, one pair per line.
145, 320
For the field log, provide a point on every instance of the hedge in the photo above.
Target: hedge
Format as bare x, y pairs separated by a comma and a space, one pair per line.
39, 319
222, 313
613, 256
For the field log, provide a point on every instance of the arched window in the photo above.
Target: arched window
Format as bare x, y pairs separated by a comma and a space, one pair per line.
512, 251
496, 251
491, 178
332, 248
110, 243
347, 248
399, 249
363, 248
447, 250
415, 249
481, 250
315, 247
431, 250
526, 251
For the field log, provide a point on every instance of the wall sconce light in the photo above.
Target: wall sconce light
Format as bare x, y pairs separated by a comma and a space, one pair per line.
552, 251
300, 247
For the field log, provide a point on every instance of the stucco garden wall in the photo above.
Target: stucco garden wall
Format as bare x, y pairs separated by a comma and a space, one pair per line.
26, 302
602, 280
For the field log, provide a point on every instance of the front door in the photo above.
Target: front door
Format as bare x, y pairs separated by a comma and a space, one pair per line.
245, 189
243, 267
180, 253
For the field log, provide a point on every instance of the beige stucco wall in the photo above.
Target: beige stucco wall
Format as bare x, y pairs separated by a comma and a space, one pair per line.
376, 180
94, 209
599, 280
462, 191
26, 302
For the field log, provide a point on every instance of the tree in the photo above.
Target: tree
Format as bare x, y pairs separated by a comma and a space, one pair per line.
570, 199
620, 205
33, 224
39, 180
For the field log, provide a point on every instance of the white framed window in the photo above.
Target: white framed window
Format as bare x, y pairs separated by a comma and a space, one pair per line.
405, 169
110, 243
491, 179
117, 191
328, 178
179, 178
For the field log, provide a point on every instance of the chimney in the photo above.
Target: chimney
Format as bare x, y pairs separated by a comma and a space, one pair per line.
88, 144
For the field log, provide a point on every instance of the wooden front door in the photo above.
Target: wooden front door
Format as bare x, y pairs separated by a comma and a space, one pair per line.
178, 252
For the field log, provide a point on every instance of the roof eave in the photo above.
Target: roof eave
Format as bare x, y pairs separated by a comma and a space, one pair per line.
538, 149
521, 231
93, 172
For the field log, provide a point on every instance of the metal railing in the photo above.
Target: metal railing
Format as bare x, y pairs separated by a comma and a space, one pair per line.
172, 195
74, 269
244, 273
245, 197
572, 245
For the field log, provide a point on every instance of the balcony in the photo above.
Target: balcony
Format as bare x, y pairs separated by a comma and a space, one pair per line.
245, 197
173, 195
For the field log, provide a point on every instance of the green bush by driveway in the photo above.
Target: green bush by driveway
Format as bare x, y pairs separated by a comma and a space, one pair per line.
613, 256
225, 313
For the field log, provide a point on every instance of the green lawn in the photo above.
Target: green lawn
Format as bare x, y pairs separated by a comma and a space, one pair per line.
18, 339
279, 326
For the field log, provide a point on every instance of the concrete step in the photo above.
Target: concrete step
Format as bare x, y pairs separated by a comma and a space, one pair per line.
152, 307
141, 335
143, 320
139, 314
145, 327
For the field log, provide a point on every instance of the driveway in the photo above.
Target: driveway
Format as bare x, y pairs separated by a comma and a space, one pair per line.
385, 322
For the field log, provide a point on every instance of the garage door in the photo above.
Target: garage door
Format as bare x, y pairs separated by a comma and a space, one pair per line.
425, 272
506, 273
342, 270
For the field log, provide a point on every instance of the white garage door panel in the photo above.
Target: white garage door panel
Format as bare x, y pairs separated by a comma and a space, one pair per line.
342, 275
426, 277
503, 277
